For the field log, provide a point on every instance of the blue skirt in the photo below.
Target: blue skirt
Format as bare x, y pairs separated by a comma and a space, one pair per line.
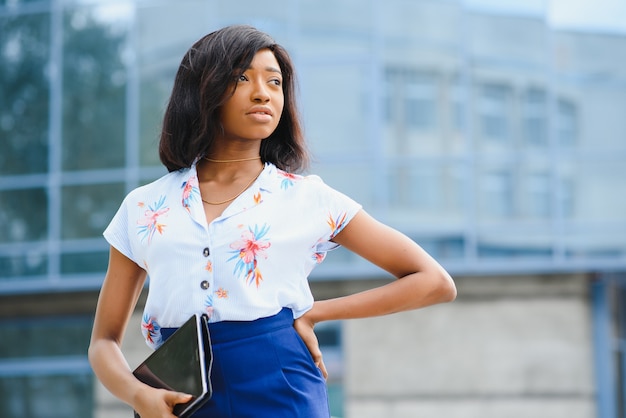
262, 368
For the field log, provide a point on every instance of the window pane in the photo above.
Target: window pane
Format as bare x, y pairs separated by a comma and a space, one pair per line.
537, 198
94, 81
23, 215
48, 364
150, 123
159, 52
410, 100
34, 263
88, 209
47, 396
24, 94
90, 262
154, 96
494, 108
535, 127
420, 93
38, 338
391, 103
415, 187
427, 187
567, 123
496, 195
458, 103
567, 193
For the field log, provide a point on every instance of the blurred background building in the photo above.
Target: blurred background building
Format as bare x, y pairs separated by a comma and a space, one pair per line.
494, 140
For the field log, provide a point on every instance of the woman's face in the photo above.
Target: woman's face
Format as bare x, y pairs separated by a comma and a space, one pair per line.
254, 110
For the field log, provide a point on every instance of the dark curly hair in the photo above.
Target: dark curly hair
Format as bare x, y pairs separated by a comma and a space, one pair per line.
204, 82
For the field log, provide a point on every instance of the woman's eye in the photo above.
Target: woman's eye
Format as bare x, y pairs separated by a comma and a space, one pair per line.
277, 82
242, 77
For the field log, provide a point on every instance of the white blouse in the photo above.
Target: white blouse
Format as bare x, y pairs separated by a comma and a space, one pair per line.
248, 263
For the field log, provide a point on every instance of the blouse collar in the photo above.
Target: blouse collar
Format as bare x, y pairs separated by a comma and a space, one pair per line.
268, 182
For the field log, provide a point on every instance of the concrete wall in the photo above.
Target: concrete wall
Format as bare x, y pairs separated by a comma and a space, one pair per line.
507, 347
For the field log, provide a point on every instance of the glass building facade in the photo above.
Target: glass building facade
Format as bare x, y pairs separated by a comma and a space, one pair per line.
495, 142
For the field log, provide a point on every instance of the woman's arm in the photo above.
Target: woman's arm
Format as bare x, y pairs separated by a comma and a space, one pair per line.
121, 288
422, 281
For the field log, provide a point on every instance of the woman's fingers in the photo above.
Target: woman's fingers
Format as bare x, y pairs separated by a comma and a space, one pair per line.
159, 403
174, 398
304, 328
322, 367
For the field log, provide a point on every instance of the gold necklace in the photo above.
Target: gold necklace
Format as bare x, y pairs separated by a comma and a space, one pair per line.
232, 161
238, 194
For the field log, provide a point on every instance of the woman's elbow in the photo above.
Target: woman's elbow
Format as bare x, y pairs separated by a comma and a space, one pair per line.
445, 289
93, 351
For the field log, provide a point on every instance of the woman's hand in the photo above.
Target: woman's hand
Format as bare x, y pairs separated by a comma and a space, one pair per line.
158, 403
304, 327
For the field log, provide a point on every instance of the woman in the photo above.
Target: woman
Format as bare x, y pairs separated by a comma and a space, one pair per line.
231, 232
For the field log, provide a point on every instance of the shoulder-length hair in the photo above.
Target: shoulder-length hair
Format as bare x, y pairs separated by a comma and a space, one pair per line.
204, 82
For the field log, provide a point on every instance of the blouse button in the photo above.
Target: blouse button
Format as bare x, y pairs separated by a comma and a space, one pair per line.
204, 284
206, 252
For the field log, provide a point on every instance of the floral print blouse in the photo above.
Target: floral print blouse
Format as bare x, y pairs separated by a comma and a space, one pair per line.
248, 263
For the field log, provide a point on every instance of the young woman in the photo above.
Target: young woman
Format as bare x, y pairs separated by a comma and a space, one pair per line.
232, 232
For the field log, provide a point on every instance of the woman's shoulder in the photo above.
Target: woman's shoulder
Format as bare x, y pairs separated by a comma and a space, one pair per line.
293, 182
166, 184
294, 177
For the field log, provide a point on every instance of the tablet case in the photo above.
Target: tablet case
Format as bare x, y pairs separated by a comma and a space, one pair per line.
183, 364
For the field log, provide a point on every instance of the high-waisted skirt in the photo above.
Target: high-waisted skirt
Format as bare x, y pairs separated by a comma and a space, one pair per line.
262, 368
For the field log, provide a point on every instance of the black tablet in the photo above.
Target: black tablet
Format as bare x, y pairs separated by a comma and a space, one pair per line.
182, 364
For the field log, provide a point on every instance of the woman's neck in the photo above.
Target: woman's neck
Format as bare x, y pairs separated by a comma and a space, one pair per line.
227, 168
234, 160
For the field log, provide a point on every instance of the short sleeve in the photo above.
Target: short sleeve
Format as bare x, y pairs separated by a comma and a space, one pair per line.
337, 210
118, 232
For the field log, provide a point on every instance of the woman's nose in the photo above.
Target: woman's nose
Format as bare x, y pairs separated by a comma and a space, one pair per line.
260, 93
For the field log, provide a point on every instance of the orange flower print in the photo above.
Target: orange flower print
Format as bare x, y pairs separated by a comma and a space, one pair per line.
221, 293
247, 250
150, 224
257, 198
191, 191
209, 266
336, 225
